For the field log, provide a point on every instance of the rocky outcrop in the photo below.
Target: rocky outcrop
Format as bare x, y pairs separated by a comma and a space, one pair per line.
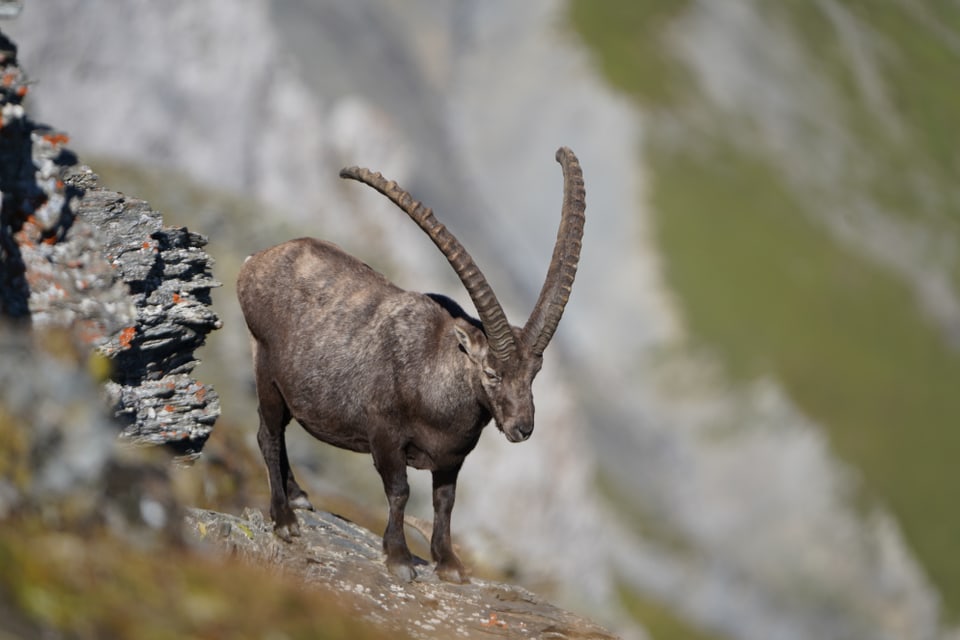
105, 268
333, 552
168, 276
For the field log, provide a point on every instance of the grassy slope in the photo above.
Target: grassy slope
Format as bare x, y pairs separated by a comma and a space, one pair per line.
63, 575
79, 584
772, 293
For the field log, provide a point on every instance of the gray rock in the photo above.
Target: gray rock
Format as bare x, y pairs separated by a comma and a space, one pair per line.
336, 553
103, 266
169, 279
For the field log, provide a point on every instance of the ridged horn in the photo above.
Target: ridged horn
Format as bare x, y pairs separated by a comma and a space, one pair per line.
499, 334
566, 255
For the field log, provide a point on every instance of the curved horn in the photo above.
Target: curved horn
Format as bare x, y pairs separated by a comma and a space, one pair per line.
566, 254
495, 324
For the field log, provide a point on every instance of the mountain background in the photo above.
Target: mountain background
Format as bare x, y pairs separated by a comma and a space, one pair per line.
747, 423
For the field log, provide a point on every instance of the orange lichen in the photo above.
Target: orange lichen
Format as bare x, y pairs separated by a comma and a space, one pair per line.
22, 90
57, 138
169, 408
494, 622
126, 336
176, 298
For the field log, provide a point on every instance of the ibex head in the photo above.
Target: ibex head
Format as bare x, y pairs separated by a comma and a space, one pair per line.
506, 384
507, 358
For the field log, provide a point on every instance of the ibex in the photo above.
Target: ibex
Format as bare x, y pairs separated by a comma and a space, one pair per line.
407, 377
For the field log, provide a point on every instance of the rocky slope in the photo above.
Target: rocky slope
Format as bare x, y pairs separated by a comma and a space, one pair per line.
333, 552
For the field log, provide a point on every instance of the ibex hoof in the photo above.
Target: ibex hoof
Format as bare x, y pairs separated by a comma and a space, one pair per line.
452, 573
402, 572
287, 531
301, 502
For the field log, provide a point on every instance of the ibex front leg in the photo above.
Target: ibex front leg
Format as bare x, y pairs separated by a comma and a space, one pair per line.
449, 567
391, 462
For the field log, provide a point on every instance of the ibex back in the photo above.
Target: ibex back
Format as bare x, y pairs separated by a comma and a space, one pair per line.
408, 377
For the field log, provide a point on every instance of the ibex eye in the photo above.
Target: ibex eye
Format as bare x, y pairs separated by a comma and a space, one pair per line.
492, 376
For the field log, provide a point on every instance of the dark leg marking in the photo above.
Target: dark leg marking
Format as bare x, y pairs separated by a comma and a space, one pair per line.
449, 567
390, 460
274, 416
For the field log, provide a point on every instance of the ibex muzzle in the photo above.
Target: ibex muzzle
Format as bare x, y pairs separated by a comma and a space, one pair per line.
407, 377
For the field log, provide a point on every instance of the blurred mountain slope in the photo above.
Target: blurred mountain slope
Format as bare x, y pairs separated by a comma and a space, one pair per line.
807, 206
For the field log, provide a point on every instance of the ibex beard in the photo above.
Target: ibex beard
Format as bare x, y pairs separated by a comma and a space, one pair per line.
408, 377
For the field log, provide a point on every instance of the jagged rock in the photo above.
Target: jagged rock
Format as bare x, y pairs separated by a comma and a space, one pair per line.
62, 302
74, 255
169, 279
337, 553
34, 196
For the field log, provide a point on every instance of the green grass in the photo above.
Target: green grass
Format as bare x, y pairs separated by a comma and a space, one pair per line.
772, 293
659, 622
627, 36
89, 584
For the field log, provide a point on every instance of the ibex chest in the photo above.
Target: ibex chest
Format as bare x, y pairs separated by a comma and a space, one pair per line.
441, 450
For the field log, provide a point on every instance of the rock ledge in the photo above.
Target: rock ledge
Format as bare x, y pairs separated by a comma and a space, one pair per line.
337, 554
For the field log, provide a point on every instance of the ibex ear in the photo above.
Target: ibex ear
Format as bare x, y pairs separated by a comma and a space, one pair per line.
469, 342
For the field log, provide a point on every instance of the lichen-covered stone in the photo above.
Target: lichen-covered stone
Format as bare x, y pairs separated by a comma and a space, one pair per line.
103, 266
169, 279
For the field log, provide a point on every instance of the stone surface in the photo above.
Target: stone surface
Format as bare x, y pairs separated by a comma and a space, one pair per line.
333, 552
168, 276
103, 266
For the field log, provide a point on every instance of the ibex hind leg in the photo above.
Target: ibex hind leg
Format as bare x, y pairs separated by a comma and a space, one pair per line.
296, 497
274, 417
